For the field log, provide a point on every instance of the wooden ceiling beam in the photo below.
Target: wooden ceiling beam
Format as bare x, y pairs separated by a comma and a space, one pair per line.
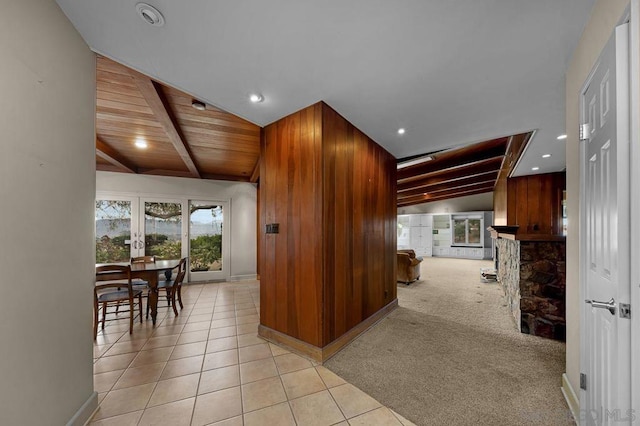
427, 199
214, 176
164, 172
181, 173
451, 191
109, 154
157, 102
484, 166
470, 180
454, 158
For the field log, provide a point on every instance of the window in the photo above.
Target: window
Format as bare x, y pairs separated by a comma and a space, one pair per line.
467, 230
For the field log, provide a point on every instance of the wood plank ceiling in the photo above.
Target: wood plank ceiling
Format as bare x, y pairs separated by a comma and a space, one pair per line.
182, 141
214, 144
458, 172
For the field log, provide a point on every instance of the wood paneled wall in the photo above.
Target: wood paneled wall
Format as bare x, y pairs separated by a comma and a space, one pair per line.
360, 225
500, 200
534, 203
332, 190
515, 149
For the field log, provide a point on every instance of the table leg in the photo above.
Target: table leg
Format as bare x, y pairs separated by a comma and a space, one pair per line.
153, 296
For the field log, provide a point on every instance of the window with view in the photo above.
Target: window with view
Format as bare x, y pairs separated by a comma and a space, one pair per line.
467, 231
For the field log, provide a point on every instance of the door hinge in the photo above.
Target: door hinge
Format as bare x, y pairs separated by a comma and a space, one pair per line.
583, 381
625, 310
584, 131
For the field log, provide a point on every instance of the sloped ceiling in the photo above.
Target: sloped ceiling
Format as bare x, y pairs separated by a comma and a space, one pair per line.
450, 72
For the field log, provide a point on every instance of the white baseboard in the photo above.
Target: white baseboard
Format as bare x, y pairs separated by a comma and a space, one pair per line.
84, 414
570, 396
243, 277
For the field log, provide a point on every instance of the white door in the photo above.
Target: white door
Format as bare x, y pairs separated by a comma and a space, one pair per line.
161, 230
116, 235
208, 241
606, 353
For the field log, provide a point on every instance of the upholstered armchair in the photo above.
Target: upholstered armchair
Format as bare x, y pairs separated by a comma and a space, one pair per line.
408, 266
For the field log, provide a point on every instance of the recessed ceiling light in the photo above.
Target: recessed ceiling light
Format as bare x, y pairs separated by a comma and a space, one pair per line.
561, 137
141, 143
546, 155
150, 14
256, 98
401, 131
425, 193
200, 106
535, 168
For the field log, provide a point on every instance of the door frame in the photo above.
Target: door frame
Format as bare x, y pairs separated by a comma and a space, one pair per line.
135, 207
634, 141
226, 251
631, 15
138, 198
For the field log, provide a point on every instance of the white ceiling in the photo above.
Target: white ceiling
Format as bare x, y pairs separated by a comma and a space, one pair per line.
451, 72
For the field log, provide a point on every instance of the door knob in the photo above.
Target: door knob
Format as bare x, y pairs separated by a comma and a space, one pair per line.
610, 305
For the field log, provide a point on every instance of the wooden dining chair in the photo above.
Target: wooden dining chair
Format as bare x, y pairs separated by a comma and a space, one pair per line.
174, 286
113, 286
140, 284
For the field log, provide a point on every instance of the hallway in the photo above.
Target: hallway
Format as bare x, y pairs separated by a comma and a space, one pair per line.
451, 354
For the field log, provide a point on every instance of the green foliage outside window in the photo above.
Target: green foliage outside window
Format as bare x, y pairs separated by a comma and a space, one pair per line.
205, 250
162, 247
112, 249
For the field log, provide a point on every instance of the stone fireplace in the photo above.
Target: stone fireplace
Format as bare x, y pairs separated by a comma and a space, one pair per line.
532, 274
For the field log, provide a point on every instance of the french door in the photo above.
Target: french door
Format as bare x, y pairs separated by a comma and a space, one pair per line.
208, 257
166, 228
116, 229
160, 229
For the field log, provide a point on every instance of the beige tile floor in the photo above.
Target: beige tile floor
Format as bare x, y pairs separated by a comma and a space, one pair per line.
209, 367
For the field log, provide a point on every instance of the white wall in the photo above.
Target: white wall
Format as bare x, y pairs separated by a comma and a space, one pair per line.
47, 188
241, 197
470, 203
605, 16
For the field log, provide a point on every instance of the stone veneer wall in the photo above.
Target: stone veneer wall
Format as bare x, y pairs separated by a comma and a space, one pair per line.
533, 276
508, 252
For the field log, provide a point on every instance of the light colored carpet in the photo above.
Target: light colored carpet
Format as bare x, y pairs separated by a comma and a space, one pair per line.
451, 354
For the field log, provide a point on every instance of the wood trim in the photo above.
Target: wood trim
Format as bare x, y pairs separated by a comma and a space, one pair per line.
517, 147
291, 343
323, 354
159, 105
337, 345
109, 154
163, 172
215, 176
255, 175
179, 173
540, 237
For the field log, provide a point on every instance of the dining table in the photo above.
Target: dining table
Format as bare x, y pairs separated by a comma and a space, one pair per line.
149, 273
